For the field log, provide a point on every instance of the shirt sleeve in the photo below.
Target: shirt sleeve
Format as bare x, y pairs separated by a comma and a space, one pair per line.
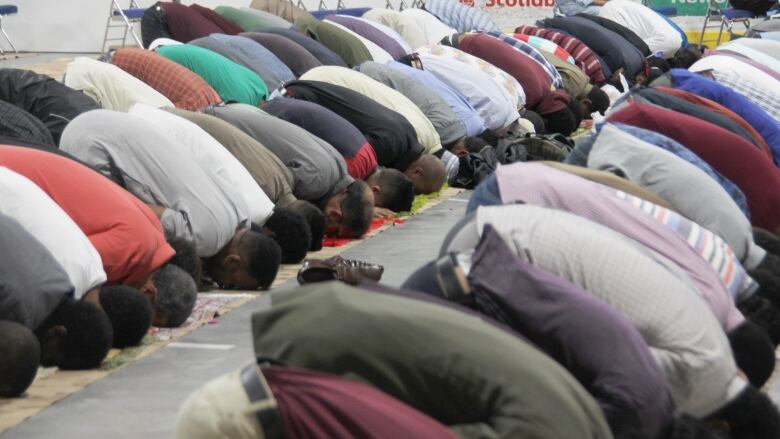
176, 224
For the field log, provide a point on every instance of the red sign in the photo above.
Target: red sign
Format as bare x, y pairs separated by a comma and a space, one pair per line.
520, 3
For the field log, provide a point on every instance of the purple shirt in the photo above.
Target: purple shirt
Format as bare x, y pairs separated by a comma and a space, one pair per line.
370, 33
596, 343
538, 184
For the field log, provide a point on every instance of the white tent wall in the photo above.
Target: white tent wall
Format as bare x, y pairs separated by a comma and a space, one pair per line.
78, 25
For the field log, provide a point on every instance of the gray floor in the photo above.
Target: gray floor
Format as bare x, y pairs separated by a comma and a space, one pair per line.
141, 400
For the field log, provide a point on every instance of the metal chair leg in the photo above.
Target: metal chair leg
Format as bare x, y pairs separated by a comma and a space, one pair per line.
7, 38
720, 33
704, 28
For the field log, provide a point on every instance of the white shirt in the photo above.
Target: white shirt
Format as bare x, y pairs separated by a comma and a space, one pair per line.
417, 27
157, 170
212, 157
160, 42
656, 32
384, 95
24, 201
735, 67
110, 86
486, 96
377, 53
389, 31
684, 337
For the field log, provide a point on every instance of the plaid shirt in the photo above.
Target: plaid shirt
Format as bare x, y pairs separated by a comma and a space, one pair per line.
529, 50
184, 88
546, 46
586, 58
766, 99
19, 124
460, 17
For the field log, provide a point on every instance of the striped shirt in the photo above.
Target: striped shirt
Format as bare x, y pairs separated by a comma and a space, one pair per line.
547, 46
529, 50
585, 57
461, 17
708, 245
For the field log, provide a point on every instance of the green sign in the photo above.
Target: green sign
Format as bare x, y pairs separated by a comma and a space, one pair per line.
689, 7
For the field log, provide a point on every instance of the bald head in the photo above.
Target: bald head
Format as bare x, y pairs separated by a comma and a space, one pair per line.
428, 174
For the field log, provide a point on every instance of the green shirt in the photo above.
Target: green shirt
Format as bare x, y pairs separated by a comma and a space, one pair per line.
347, 46
480, 380
233, 82
245, 20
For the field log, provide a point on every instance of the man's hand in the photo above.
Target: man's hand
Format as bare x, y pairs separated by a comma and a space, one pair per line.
381, 212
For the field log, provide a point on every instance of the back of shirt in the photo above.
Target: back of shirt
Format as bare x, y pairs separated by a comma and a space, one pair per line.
318, 169
125, 232
43, 218
32, 282
158, 171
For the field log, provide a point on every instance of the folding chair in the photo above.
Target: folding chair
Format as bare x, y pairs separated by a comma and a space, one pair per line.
123, 18
728, 18
6, 10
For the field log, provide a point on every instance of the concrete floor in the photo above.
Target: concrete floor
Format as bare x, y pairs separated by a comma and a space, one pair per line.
141, 400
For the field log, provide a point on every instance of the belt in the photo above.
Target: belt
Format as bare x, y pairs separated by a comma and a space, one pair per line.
448, 279
257, 390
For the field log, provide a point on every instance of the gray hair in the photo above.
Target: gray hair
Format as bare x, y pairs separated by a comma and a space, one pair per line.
176, 294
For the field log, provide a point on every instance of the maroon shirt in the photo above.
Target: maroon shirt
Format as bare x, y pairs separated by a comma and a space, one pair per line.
187, 24
734, 157
539, 94
316, 405
227, 26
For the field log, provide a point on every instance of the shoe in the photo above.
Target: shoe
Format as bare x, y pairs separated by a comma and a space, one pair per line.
337, 268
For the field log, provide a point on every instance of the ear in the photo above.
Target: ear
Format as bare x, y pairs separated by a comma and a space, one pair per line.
57, 331
461, 152
232, 262
586, 102
334, 216
267, 232
149, 290
376, 189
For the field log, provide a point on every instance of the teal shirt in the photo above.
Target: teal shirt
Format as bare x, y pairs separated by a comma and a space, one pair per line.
480, 380
232, 81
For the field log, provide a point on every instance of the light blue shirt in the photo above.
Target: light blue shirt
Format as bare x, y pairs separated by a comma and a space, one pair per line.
471, 120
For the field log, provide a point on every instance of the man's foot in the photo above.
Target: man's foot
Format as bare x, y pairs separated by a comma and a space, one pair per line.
337, 268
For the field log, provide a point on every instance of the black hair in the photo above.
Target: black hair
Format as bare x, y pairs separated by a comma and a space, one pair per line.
768, 284
751, 415
291, 231
764, 314
767, 240
561, 121
397, 190
315, 218
20, 359
130, 314
474, 144
685, 57
536, 119
89, 334
356, 210
599, 101
263, 257
753, 351
659, 63
186, 257
489, 136
688, 427
176, 295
